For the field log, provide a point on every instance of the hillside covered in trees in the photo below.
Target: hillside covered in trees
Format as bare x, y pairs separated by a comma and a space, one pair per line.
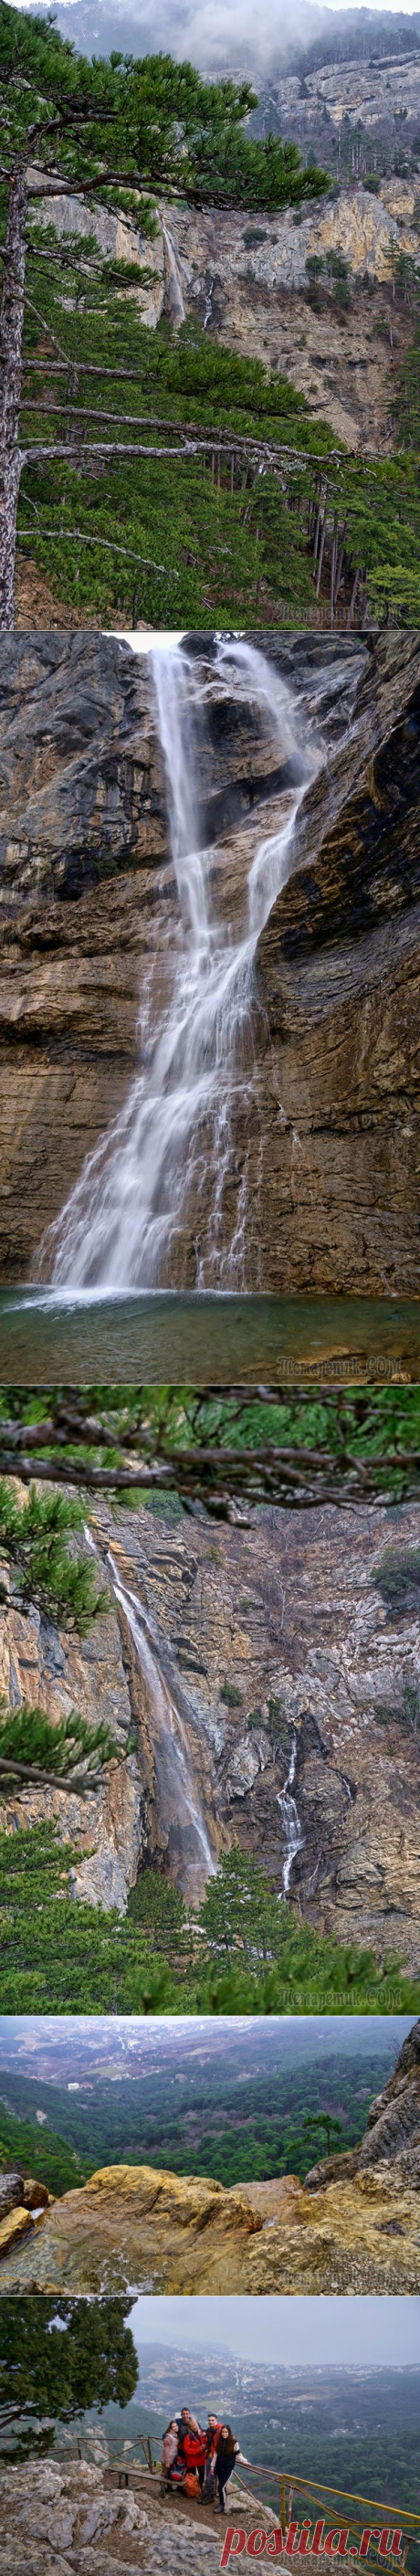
246, 2113
161, 474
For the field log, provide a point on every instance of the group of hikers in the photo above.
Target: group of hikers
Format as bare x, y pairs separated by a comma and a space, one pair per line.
198, 2460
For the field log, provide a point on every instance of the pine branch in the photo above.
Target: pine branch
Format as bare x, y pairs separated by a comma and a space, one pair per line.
25, 1774
77, 537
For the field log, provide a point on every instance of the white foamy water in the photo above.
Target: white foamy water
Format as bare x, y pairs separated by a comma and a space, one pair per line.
172, 1142
189, 1850
292, 1829
174, 281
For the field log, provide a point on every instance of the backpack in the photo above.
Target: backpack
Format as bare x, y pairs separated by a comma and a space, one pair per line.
191, 2486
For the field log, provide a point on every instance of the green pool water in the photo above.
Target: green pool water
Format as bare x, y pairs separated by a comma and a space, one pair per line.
204, 1340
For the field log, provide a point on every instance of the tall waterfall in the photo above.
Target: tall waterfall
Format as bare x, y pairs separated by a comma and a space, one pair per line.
175, 299
189, 1848
171, 1143
292, 1829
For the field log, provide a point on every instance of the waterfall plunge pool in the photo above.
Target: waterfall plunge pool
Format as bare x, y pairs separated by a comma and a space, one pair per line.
49, 1338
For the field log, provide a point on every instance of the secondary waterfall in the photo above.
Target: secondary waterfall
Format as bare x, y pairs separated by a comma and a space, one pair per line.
189, 1850
171, 1145
292, 1829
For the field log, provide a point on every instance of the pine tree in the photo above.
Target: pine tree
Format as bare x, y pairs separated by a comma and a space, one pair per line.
106, 132
38, 1561
59, 2357
38, 1751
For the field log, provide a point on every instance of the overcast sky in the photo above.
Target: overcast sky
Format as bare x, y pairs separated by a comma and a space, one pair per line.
291, 2330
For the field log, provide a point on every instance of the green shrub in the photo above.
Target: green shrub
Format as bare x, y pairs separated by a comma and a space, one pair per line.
397, 1578
404, 1712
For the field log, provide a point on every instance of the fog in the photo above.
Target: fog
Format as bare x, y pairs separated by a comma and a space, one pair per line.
49, 2046
216, 35
364, 2333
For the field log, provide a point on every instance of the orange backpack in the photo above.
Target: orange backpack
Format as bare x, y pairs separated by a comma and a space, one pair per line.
191, 2486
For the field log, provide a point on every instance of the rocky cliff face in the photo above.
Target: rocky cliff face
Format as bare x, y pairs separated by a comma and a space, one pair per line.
392, 2135
74, 2506
289, 1684
327, 1138
341, 1058
52, 2507
245, 280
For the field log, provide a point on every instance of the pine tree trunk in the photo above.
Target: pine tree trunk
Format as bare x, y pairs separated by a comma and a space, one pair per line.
11, 332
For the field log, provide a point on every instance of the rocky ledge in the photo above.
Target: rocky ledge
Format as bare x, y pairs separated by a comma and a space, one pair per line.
131, 2228
75, 2511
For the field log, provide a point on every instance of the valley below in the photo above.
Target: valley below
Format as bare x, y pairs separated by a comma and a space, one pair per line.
352, 2226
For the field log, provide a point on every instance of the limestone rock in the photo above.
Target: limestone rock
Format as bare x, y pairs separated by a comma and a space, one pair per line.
57, 1672
116, 239
392, 2136
35, 2194
10, 2193
150, 2231
254, 294
12, 2228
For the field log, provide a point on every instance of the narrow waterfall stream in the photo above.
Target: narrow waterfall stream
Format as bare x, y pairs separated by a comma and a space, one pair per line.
175, 299
191, 1858
173, 1139
292, 1829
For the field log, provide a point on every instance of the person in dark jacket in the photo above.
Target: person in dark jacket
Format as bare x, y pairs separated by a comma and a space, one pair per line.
213, 2428
225, 2454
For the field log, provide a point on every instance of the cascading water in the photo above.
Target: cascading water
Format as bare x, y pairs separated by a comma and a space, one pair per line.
189, 1849
292, 1829
175, 299
173, 1138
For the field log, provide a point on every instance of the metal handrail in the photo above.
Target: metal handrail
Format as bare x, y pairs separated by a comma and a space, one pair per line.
305, 2487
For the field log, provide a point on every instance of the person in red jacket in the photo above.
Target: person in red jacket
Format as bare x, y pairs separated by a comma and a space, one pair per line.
194, 2451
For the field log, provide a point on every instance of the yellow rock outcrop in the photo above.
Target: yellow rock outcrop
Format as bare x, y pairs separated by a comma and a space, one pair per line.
131, 2227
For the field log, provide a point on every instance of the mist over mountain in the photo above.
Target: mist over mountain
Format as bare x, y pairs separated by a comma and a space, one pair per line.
227, 36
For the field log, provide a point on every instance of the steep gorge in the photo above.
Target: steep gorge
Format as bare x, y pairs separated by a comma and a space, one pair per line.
276, 1708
